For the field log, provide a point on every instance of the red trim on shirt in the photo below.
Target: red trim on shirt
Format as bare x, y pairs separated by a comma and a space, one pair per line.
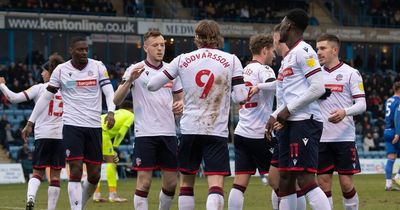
359, 96
255, 61
333, 68
168, 75
152, 66
237, 77
313, 72
295, 44
178, 91
26, 95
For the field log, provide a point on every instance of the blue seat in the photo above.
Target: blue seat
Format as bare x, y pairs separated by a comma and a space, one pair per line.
27, 112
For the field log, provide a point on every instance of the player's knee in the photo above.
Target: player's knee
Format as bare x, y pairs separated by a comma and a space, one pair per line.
143, 183
392, 156
170, 185
304, 179
94, 178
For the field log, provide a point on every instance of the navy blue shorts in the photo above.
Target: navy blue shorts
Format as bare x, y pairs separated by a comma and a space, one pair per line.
298, 145
82, 143
213, 150
338, 156
252, 154
388, 136
48, 153
275, 152
155, 152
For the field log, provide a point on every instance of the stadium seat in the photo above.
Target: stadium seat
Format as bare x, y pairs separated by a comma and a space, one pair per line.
14, 151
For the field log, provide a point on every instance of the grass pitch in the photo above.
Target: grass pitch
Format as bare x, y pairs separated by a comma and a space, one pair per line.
257, 197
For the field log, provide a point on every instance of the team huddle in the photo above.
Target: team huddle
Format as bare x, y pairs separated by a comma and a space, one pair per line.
309, 135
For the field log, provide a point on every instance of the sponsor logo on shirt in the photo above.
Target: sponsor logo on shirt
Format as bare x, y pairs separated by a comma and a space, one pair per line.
335, 87
339, 77
285, 73
311, 62
361, 86
86, 83
168, 85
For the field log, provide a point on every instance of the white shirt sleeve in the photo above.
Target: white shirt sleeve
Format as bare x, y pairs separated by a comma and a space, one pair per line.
264, 75
55, 78
177, 85
170, 73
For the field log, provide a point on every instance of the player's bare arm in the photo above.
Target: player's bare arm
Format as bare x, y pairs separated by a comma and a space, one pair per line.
26, 131
177, 106
123, 89
395, 139
109, 120
283, 115
270, 127
2, 80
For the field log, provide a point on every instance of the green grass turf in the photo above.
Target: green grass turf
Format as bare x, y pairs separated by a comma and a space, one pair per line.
370, 189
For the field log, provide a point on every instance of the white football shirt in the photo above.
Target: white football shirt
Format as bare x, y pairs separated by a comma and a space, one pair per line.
153, 110
253, 115
206, 76
298, 64
49, 123
81, 92
346, 84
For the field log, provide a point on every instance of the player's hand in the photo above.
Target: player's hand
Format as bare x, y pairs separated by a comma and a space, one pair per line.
337, 116
136, 72
269, 127
2, 80
109, 120
26, 131
283, 116
278, 126
253, 90
115, 157
177, 107
395, 139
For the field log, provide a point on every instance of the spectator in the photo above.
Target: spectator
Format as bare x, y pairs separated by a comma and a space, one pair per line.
368, 142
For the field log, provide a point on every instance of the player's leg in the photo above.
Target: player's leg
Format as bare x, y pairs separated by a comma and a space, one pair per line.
236, 195
301, 199
40, 160
168, 162
58, 162
93, 158
73, 139
167, 192
186, 192
53, 192
347, 165
396, 178
143, 184
350, 196
325, 169
145, 157
216, 166
273, 176
391, 157
273, 180
304, 139
189, 159
244, 168
287, 179
33, 186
